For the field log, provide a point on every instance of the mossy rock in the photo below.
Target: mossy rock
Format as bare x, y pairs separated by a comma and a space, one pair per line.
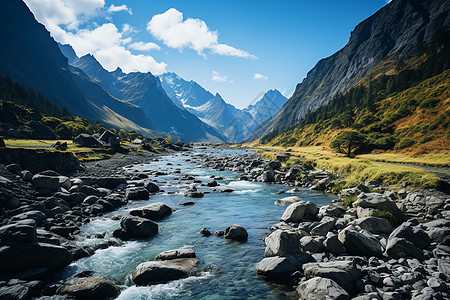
91, 288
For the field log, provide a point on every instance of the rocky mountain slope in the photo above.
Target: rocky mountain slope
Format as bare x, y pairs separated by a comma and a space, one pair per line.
397, 31
234, 123
30, 56
144, 90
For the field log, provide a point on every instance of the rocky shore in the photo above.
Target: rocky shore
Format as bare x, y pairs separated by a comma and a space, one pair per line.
41, 213
385, 245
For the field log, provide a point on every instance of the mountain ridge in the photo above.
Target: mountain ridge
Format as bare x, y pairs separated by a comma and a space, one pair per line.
398, 30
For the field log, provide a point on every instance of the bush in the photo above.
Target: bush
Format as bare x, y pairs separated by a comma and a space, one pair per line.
348, 201
430, 102
404, 143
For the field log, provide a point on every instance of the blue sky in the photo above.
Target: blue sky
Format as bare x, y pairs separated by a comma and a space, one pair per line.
239, 49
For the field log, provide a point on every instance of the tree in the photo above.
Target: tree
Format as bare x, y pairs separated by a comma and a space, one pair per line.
123, 134
348, 142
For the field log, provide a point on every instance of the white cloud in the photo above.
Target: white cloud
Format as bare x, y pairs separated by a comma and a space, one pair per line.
258, 76
141, 46
216, 76
105, 42
177, 33
223, 49
124, 7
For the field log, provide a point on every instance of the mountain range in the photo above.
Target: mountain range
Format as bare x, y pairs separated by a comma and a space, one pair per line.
133, 101
234, 123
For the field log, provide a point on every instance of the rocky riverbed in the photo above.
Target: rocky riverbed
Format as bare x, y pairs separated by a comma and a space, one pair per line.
389, 245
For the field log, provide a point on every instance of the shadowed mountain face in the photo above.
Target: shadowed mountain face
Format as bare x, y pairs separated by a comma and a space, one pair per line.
397, 32
234, 123
30, 56
145, 91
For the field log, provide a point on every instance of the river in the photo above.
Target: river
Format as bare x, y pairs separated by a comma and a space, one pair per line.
227, 267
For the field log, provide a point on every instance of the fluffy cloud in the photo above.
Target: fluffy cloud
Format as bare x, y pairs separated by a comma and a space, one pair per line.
141, 46
216, 76
105, 42
258, 76
123, 7
177, 33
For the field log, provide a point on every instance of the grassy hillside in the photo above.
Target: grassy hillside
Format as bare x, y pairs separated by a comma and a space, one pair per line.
416, 120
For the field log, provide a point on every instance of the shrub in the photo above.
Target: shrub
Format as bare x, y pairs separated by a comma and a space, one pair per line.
427, 103
404, 143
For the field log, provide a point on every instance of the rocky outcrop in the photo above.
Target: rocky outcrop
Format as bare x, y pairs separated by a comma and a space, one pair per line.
135, 228
397, 31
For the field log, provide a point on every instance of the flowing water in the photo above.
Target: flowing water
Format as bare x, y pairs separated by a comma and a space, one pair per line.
227, 267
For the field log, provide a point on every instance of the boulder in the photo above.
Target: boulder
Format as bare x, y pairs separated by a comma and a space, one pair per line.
374, 225
325, 226
91, 288
21, 231
331, 210
152, 272
15, 292
413, 234
134, 228
236, 232
212, 183
399, 247
137, 193
193, 194
311, 244
360, 243
176, 253
205, 232
382, 205
267, 176
333, 245
46, 182
288, 200
154, 211
344, 273
280, 243
21, 256
151, 187
294, 213
14, 168
36, 215
321, 288
275, 267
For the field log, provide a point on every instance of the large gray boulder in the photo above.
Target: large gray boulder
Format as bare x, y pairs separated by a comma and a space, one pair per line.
47, 182
152, 272
344, 273
275, 267
280, 243
137, 193
360, 243
374, 204
21, 256
236, 232
326, 225
331, 210
312, 244
374, 225
413, 234
91, 288
294, 213
319, 288
333, 245
154, 211
151, 187
399, 247
134, 228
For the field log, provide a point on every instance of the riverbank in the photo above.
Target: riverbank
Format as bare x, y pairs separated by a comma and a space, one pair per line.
234, 187
372, 243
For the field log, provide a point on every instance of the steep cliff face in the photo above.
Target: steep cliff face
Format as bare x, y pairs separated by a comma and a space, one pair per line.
397, 31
